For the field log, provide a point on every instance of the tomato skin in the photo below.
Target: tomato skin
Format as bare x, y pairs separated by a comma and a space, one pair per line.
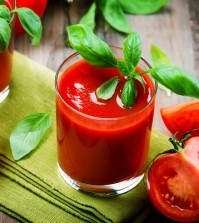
38, 6
173, 187
181, 118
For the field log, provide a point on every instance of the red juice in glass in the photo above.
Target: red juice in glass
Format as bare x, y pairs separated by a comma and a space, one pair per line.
102, 146
6, 57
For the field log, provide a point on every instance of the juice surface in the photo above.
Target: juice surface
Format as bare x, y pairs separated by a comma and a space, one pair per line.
95, 150
78, 85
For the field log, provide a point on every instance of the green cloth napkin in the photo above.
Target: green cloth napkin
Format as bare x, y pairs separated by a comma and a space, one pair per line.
31, 189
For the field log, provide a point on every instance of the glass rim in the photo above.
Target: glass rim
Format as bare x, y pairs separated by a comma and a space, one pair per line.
96, 117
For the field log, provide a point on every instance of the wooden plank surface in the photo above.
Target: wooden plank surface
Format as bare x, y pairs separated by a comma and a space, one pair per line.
175, 29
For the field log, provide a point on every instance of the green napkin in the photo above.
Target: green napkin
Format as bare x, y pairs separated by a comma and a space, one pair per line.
31, 189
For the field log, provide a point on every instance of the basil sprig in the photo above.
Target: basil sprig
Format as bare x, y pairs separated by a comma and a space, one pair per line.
28, 133
96, 52
29, 20
113, 11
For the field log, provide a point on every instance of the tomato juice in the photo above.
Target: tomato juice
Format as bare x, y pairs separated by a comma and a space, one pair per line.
6, 57
101, 142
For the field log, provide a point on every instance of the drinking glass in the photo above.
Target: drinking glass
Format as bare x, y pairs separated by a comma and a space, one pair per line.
6, 57
97, 155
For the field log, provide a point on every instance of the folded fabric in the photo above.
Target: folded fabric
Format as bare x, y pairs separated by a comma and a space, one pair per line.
31, 189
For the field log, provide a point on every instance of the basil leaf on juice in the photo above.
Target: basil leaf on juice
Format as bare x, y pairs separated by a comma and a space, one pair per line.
28, 133
5, 34
129, 93
31, 23
142, 6
107, 89
89, 18
133, 48
94, 50
114, 15
158, 57
176, 80
125, 68
5, 13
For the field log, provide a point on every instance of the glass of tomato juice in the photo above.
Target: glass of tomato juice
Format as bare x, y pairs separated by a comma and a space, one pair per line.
6, 56
102, 146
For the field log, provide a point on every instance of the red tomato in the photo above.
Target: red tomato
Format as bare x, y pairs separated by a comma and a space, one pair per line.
38, 6
173, 183
181, 118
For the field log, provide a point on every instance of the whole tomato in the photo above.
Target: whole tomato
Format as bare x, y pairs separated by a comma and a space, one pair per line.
173, 182
38, 6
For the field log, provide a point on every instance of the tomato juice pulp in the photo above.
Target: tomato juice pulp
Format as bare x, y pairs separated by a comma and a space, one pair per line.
101, 142
6, 56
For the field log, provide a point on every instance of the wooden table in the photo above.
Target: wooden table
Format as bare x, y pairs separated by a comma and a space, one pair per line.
175, 29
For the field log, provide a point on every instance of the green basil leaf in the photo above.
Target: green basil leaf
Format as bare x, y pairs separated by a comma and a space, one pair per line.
114, 15
89, 18
1, 1
129, 93
133, 48
90, 47
140, 79
31, 24
5, 34
142, 6
5, 13
28, 133
158, 57
107, 89
125, 68
176, 80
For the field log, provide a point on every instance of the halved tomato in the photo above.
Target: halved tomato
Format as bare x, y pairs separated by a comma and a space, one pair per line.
173, 187
181, 118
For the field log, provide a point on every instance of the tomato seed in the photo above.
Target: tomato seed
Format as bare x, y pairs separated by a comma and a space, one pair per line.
166, 196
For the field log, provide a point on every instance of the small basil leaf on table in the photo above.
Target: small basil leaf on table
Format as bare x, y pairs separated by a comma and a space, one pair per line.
28, 133
89, 18
129, 93
157, 58
142, 6
31, 23
94, 50
176, 80
107, 89
5, 33
133, 48
114, 15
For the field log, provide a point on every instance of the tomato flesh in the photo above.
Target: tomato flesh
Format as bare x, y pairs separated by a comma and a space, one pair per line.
192, 150
181, 118
173, 187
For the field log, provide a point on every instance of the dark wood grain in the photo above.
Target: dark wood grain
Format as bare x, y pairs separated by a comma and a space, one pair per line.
175, 29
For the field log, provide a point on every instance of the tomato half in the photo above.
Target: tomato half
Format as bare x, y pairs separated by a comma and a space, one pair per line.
173, 187
38, 6
181, 118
